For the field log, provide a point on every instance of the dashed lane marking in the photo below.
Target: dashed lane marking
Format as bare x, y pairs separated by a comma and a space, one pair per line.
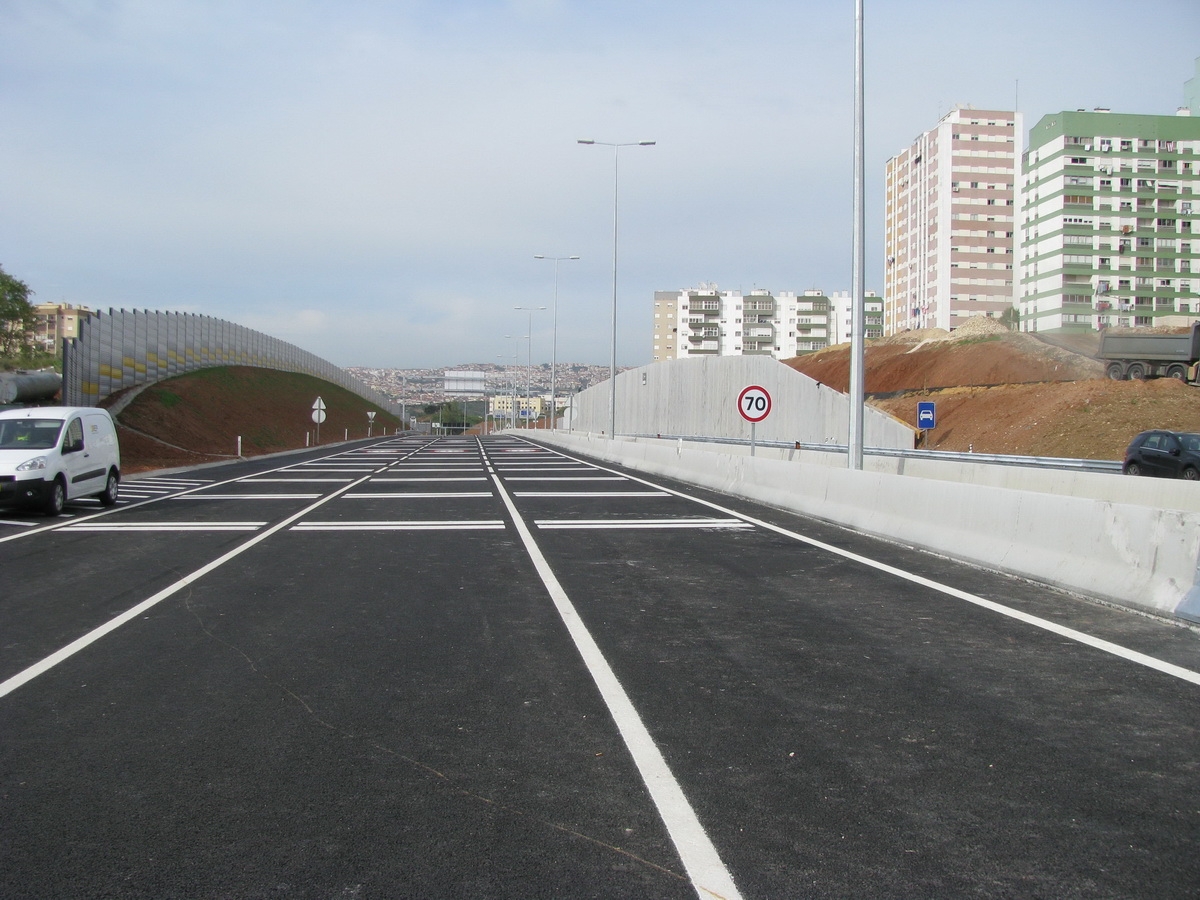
641, 523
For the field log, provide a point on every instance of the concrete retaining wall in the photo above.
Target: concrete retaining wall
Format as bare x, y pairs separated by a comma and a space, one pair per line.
698, 395
1133, 554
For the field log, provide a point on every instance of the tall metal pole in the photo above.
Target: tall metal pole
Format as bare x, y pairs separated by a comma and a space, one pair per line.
529, 337
612, 366
554, 343
857, 312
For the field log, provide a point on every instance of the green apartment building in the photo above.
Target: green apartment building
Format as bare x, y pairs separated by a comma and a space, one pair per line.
1107, 225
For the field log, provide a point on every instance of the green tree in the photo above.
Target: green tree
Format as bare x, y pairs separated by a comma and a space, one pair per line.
1010, 318
16, 316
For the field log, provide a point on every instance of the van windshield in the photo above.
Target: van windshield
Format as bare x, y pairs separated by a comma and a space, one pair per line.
29, 434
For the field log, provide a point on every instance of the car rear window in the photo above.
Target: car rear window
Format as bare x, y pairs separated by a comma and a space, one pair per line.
29, 434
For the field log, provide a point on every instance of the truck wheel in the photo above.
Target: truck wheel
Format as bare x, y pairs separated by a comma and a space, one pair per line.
111, 488
1116, 371
1190, 474
56, 499
1137, 372
1178, 372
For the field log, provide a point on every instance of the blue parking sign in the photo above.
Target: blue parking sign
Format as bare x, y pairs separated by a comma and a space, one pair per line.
927, 414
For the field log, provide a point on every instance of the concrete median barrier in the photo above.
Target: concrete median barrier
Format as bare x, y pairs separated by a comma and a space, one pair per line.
1132, 554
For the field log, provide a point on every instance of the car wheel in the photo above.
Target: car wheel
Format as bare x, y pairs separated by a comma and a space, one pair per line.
111, 488
56, 499
1191, 474
1133, 469
1137, 372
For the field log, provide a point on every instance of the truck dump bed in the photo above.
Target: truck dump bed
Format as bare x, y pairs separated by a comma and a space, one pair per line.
1158, 347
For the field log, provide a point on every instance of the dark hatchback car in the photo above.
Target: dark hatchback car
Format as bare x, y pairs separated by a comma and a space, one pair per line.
1168, 454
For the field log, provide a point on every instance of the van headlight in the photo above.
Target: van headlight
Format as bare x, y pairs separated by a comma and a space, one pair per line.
38, 462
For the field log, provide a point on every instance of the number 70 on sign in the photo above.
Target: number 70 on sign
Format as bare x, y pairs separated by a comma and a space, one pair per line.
754, 403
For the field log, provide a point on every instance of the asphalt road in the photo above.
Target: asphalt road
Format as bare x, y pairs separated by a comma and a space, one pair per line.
449, 668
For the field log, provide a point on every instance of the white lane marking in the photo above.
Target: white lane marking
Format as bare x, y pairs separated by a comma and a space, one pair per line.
407, 480
410, 525
413, 495
590, 494
250, 496
640, 523
64, 653
570, 478
1081, 637
15, 522
298, 480
707, 872
166, 526
201, 484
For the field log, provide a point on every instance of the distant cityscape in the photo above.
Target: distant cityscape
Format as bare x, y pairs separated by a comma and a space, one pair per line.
427, 386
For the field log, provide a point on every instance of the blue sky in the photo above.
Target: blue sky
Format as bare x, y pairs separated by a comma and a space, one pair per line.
371, 180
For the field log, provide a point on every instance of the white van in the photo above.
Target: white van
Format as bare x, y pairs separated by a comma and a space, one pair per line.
52, 454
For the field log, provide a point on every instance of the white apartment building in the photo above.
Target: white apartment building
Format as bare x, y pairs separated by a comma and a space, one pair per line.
843, 313
1108, 226
949, 222
707, 321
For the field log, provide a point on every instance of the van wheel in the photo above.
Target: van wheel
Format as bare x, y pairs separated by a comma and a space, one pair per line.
56, 499
111, 488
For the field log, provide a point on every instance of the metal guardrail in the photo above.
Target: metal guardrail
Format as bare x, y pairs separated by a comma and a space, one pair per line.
995, 459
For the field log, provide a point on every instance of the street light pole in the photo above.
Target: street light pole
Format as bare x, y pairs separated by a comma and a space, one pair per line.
529, 337
554, 343
612, 366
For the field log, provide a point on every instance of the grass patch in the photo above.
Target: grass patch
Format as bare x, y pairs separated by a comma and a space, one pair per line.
167, 398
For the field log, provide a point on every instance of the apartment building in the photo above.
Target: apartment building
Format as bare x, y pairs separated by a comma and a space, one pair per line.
1108, 232
707, 321
949, 222
55, 321
843, 316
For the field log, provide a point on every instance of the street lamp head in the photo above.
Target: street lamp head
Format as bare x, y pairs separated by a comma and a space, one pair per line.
646, 143
572, 257
585, 142
539, 256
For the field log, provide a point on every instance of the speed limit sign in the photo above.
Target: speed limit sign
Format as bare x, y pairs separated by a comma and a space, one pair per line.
754, 403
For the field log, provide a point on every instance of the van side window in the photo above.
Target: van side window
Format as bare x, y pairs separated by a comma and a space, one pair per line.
74, 433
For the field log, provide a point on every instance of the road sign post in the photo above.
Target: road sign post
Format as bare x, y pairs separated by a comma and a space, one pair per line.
370, 422
926, 417
754, 405
318, 416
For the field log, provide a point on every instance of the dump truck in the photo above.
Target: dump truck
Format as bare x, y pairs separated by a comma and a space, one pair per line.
1139, 356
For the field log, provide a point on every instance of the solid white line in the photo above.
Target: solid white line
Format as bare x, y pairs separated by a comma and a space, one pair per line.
100, 526
413, 495
298, 480
1088, 640
399, 526
44, 665
406, 480
571, 478
708, 874
21, 524
251, 496
590, 494
551, 524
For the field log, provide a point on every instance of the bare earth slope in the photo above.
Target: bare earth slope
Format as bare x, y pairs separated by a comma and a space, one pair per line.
1000, 392
198, 417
